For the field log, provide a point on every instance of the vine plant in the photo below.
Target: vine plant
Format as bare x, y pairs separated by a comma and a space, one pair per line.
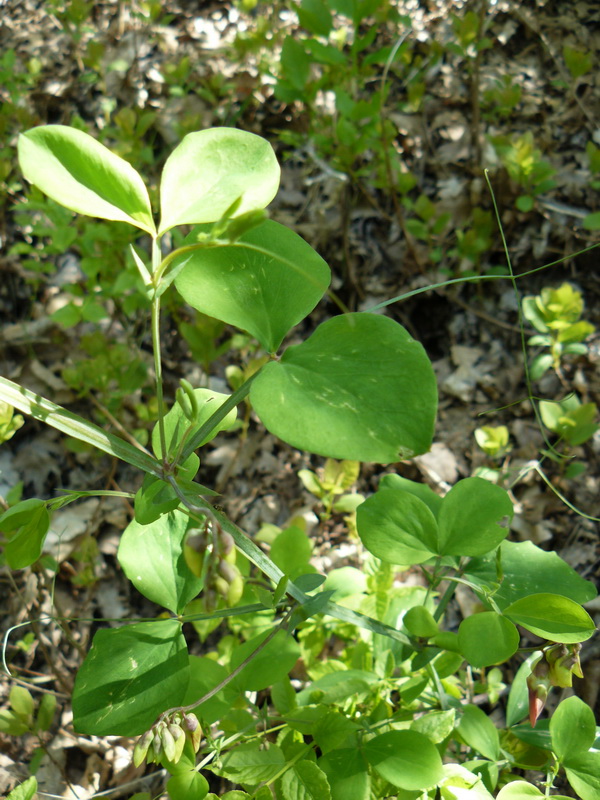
359, 389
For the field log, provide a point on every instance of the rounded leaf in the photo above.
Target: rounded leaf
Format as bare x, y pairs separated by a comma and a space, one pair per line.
397, 527
360, 388
469, 515
264, 283
210, 170
81, 174
572, 728
487, 639
406, 759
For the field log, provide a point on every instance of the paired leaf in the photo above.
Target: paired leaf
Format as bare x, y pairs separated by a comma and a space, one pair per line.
360, 388
152, 558
305, 781
264, 283
249, 764
479, 732
129, 677
347, 774
397, 527
468, 518
81, 174
210, 170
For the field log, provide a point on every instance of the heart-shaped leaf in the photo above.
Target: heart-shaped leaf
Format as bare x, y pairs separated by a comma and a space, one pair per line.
81, 174
360, 388
210, 170
265, 282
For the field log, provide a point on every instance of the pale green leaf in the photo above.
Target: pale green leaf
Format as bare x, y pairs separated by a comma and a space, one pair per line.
81, 174
210, 170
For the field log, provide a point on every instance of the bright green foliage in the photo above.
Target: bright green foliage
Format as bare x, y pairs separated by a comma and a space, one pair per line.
128, 673
84, 176
553, 617
383, 715
572, 728
28, 522
9, 422
487, 638
406, 759
573, 421
493, 440
24, 791
329, 486
556, 314
399, 527
210, 170
158, 570
239, 280
526, 167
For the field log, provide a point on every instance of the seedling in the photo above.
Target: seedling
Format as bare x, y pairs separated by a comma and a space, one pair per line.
556, 314
330, 484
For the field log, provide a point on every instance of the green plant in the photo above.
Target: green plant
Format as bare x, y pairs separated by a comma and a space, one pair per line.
330, 484
391, 712
525, 166
556, 314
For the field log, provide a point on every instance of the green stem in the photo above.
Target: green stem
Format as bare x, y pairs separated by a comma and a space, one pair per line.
447, 596
233, 674
156, 261
267, 567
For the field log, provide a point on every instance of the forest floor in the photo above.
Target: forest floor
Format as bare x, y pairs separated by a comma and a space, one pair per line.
116, 60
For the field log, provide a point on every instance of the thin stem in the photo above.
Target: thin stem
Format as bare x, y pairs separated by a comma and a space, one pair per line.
447, 596
156, 259
232, 675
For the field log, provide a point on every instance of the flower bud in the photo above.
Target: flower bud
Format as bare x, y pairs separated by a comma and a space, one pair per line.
168, 743
141, 747
538, 685
179, 739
